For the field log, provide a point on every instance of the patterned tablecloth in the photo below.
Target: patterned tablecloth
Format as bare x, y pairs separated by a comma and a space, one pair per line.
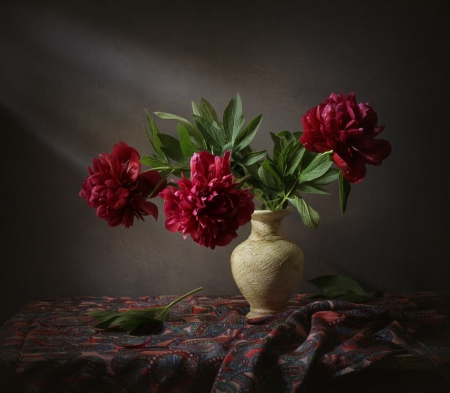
210, 346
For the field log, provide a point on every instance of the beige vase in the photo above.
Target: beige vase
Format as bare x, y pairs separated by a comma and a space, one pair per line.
267, 267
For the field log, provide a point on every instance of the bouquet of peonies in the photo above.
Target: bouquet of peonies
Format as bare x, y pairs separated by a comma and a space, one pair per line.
220, 175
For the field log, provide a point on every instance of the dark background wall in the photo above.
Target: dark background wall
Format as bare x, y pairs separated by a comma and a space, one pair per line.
75, 78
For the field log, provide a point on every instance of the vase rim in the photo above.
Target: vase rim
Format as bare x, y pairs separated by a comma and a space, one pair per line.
286, 211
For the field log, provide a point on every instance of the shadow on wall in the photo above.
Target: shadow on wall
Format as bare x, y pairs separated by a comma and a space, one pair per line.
55, 245
37, 236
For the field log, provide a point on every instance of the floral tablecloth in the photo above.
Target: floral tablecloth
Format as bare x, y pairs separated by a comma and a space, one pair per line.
210, 346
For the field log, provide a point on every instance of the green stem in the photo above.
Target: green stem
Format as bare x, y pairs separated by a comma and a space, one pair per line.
159, 168
171, 168
287, 195
182, 297
156, 187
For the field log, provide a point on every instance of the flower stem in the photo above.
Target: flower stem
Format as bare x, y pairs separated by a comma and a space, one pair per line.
156, 187
182, 297
287, 195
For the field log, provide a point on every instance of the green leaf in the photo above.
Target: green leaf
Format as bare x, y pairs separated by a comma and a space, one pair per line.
170, 116
309, 216
270, 167
336, 292
193, 131
153, 136
311, 188
343, 288
308, 157
276, 146
253, 171
187, 146
153, 162
196, 134
233, 119
211, 133
196, 109
316, 168
328, 177
247, 134
295, 158
106, 323
287, 136
148, 132
354, 298
208, 111
258, 194
172, 148
226, 147
290, 157
114, 318
344, 191
131, 320
253, 157
164, 316
134, 323
330, 283
267, 178
102, 315
283, 157
290, 184
378, 293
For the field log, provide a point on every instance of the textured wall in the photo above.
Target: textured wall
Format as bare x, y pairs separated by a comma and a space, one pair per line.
75, 78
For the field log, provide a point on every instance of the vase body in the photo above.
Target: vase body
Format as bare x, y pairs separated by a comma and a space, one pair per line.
267, 267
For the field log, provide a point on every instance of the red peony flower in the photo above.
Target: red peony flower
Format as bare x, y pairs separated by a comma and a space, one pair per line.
349, 129
118, 190
209, 207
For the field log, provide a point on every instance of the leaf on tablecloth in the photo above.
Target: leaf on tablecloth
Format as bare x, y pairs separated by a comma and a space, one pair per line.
344, 288
145, 321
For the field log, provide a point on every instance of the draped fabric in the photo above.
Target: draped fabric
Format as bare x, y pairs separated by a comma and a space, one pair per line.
210, 346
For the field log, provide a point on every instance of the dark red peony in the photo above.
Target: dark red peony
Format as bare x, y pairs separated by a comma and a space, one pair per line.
118, 190
349, 129
209, 207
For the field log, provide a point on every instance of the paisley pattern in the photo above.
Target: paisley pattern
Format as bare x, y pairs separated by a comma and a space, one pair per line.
210, 346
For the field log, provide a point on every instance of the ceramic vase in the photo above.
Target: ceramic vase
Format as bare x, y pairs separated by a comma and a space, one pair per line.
267, 267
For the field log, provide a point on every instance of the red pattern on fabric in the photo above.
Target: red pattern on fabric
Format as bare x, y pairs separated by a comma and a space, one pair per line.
209, 345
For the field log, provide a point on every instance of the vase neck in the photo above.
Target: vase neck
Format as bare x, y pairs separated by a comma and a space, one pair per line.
266, 223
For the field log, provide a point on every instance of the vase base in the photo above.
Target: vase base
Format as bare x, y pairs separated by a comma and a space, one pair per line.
260, 312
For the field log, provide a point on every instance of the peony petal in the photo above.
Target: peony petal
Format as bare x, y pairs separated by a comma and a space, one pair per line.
350, 111
147, 207
195, 159
203, 161
113, 190
353, 171
374, 151
123, 152
127, 218
147, 181
348, 129
112, 183
209, 208
127, 158
133, 167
